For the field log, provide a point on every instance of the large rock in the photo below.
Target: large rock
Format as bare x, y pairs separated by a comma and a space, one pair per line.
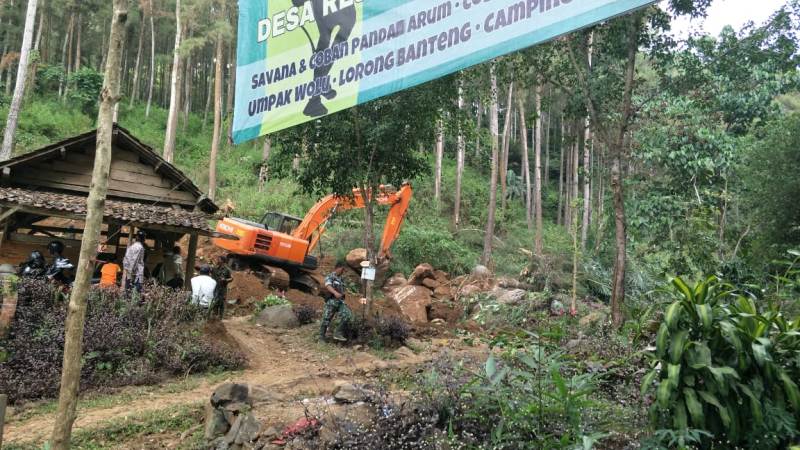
355, 258
281, 316
509, 296
422, 272
413, 302
216, 424
469, 290
229, 393
430, 283
395, 281
480, 273
446, 311
351, 393
441, 276
443, 293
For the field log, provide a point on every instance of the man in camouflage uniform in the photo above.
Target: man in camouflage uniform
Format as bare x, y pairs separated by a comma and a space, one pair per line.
334, 304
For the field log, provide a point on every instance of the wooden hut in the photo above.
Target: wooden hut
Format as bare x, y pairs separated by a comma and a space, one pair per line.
43, 198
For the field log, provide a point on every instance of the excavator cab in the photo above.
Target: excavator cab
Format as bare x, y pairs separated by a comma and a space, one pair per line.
281, 223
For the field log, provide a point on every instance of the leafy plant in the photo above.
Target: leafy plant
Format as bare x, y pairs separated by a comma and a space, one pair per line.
723, 366
270, 301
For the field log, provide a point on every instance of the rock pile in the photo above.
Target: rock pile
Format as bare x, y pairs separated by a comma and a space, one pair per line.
426, 296
230, 424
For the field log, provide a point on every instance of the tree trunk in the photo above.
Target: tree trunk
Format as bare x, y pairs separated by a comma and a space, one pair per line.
152, 62
437, 177
526, 170
478, 131
599, 216
538, 245
212, 166
78, 56
587, 186
137, 67
546, 145
209, 97
19, 89
488, 238
71, 371
187, 89
174, 86
231, 91
263, 176
561, 173
64, 49
504, 151
576, 149
460, 154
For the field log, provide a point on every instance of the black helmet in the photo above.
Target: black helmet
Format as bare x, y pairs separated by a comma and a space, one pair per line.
141, 236
36, 255
56, 247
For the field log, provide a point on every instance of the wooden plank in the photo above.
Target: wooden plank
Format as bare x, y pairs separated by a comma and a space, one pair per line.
125, 155
8, 213
62, 166
133, 167
131, 177
116, 189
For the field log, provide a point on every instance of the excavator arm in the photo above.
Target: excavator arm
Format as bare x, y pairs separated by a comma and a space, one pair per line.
315, 223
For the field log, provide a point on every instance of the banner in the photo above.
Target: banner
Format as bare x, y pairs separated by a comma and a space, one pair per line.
300, 60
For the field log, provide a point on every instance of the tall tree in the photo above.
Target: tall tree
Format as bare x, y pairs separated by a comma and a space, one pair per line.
526, 170
137, 66
212, 167
460, 156
151, 83
509, 118
76, 315
587, 157
19, 89
175, 88
488, 238
439, 156
538, 244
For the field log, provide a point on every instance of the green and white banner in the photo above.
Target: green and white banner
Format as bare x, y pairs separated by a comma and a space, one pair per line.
299, 60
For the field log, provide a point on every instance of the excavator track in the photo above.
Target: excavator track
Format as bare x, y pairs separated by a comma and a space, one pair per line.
276, 277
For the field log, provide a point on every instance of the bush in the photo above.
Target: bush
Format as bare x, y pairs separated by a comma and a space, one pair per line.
724, 366
269, 301
305, 314
124, 342
393, 329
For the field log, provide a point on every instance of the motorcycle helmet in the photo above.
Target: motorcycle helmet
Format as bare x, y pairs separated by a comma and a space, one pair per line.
55, 247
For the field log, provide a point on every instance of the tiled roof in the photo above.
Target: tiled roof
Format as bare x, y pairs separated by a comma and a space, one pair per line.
141, 214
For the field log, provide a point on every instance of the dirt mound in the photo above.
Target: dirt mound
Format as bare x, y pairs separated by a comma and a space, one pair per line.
300, 298
246, 289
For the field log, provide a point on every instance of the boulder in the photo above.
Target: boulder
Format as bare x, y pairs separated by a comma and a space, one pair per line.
481, 273
229, 393
395, 281
351, 393
249, 430
430, 283
413, 302
469, 291
216, 424
422, 272
355, 258
441, 276
443, 293
281, 316
446, 311
508, 296
557, 308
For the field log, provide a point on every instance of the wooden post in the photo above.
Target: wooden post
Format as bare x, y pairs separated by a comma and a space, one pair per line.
3, 401
190, 258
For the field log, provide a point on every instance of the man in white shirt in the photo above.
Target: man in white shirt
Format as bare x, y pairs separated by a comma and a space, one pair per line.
203, 287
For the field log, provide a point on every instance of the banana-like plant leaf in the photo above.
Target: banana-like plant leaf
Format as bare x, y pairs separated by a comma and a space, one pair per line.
672, 315
677, 345
695, 408
729, 332
662, 340
684, 289
755, 404
761, 354
698, 355
663, 394
706, 315
673, 374
491, 367
791, 390
679, 416
701, 289
647, 381
712, 400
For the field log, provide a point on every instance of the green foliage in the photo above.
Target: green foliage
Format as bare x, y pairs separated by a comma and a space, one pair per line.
724, 366
270, 301
85, 88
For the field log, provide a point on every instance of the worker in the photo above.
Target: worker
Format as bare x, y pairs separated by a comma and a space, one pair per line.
222, 275
133, 264
34, 267
61, 268
203, 287
109, 270
173, 268
334, 304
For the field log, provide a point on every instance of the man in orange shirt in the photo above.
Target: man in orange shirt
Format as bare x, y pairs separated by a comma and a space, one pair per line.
108, 274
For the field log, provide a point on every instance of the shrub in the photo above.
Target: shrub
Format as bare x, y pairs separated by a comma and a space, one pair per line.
305, 314
393, 329
725, 367
269, 301
124, 342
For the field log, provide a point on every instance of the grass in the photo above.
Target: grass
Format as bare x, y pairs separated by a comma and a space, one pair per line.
116, 433
94, 400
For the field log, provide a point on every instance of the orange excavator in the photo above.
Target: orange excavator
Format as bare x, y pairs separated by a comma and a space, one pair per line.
281, 245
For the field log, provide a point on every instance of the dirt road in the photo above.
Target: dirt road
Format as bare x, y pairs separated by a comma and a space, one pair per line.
290, 364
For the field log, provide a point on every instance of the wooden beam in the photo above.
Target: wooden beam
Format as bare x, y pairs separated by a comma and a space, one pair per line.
190, 259
6, 214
